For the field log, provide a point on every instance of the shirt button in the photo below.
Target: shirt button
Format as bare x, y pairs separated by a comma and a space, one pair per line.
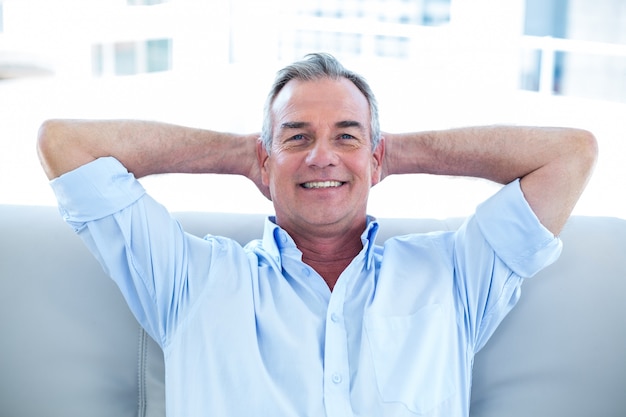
334, 318
306, 272
336, 378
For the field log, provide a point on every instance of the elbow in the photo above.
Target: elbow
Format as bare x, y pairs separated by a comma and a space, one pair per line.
45, 145
586, 151
46, 136
50, 146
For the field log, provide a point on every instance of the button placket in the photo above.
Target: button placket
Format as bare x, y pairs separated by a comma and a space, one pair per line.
336, 368
336, 378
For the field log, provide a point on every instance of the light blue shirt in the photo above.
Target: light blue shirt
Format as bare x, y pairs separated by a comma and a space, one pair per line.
254, 331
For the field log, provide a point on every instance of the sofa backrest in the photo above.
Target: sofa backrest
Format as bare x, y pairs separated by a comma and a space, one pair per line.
562, 350
70, 347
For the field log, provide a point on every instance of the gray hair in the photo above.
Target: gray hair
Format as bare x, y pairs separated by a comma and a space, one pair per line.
314, 67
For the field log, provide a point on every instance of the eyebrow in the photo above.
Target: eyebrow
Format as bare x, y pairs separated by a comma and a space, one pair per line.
341, 124
294, 125
349, 123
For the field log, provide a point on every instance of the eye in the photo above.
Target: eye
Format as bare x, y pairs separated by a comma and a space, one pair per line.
297, 137
346, 136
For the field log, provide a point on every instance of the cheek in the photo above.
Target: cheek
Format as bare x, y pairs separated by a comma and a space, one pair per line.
367, 169
277, 170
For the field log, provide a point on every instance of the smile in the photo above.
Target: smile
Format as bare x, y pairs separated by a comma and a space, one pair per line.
322, 184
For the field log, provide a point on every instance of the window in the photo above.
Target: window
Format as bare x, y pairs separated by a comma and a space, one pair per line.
158, 55
391, 46
1, 19
341, 44
125, 58
97, 59
371, 28
144, 2
414, 12
436, 12
575, 49
129, 58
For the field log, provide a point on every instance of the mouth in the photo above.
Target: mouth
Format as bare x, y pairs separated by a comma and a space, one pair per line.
322, 184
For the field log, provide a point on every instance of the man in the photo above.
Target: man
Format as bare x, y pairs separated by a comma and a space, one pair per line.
314, 319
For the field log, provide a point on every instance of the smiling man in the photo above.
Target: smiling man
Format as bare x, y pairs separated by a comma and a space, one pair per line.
319, 167
314, 318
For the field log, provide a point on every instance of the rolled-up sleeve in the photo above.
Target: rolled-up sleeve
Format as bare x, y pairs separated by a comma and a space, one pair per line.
137, 242
516, 235
495, 250
95, 190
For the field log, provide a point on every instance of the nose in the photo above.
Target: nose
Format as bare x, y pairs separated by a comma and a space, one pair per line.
322, 154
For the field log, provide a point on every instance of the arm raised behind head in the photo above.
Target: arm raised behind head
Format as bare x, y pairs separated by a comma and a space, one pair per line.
553, 164
146, 148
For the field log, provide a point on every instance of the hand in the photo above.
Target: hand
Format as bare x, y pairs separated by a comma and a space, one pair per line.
386, 164
254, 172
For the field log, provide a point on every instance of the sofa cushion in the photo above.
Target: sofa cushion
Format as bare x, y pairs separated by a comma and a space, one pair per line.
69, 344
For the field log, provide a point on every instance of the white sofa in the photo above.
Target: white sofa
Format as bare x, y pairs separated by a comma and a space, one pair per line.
69, 346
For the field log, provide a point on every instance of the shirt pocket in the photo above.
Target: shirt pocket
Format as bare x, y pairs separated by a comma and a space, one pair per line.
410, 357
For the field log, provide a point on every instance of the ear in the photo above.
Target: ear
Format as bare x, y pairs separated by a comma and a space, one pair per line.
378, 156
263, 158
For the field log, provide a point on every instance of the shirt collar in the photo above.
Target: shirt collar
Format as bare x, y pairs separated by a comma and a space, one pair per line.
277, 241
369, 239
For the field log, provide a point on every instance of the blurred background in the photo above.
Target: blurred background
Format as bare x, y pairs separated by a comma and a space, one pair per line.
433, 64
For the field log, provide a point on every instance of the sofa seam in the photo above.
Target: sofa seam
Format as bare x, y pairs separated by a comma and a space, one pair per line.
141, 373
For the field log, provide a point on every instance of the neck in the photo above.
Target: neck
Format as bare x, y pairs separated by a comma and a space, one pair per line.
329, 256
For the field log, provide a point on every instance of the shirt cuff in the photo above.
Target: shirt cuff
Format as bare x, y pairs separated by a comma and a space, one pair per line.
96, 190
515, 233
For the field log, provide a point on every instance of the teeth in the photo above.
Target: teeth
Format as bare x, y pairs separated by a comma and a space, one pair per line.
322, 184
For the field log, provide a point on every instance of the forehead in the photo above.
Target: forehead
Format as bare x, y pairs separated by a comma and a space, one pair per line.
334, 99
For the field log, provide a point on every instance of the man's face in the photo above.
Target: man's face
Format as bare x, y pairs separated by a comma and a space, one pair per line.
321, 164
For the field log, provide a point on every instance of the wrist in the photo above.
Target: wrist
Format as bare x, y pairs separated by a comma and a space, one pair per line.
405, 153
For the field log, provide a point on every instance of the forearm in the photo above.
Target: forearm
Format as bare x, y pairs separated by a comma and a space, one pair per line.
497, 153
554, 164
144, 148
